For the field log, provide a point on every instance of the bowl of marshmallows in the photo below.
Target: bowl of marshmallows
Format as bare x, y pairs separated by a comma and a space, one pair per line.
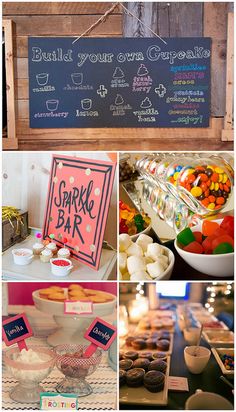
144, 259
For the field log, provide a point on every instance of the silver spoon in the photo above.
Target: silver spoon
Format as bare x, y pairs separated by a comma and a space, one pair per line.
195, 353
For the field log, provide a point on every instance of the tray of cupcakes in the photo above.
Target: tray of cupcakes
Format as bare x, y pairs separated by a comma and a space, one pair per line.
156, 320
143, 377
153, 340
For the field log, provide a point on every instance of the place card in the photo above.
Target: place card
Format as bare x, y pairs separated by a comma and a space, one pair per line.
78, 307
100, 334
15, 330
177, 383
54, 401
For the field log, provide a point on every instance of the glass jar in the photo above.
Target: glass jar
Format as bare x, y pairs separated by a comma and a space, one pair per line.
181, 216
205, 184
126, 170
161, 171
172, 172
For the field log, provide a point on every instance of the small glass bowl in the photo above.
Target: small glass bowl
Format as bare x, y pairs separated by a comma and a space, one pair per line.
75, 368
29, 375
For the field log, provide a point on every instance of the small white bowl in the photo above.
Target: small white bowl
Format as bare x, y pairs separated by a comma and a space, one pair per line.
213, 265
61, 270
196, 364
168, 272
22, 256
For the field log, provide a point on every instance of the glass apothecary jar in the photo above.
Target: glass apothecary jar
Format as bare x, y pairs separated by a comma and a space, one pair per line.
126, 169
205, 184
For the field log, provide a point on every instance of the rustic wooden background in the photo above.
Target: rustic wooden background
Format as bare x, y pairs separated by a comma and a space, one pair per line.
168, 19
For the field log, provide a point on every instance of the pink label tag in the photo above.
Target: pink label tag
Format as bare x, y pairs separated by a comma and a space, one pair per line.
78, 307
101, 334
15, 330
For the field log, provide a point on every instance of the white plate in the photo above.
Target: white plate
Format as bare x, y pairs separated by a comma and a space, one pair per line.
141, 396
223, 327
208, 335
219, 351
126, 348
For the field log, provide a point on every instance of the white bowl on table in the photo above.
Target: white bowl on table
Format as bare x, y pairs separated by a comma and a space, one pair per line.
71, 326
144, 232
219, 338
221, 265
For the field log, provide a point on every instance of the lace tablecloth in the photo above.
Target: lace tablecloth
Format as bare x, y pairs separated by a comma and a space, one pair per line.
103, 382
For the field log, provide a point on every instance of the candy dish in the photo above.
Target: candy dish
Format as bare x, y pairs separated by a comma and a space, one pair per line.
61, 266
218, 354
221, 265
31, 368
220, 338
75, 368
145, 232
71, 327
22, 256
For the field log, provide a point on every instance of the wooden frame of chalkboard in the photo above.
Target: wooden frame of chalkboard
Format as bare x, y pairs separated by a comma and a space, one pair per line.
119, 82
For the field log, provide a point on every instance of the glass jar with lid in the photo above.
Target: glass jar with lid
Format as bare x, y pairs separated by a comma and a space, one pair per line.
205, 184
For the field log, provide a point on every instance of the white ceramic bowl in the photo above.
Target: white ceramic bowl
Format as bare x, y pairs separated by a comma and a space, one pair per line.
219, 338
22, 256
196, 364
212, 265
168, 272
60, 270
144, 232
207, 401
191, 335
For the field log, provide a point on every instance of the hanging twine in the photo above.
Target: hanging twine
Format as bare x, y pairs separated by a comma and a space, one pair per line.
103, 18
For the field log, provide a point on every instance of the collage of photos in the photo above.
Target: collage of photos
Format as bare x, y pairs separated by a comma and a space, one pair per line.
117, 264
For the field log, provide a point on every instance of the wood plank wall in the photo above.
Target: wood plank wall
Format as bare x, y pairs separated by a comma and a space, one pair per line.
70, 19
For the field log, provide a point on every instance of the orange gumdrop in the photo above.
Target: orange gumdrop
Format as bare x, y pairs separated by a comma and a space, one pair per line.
208, 227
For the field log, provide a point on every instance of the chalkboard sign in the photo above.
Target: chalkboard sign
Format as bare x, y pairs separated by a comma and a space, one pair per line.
119, 82
16, 329
77, 206
101, 333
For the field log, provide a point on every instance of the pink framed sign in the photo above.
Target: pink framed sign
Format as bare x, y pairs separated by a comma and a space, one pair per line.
16, 329
77, 206
101, 333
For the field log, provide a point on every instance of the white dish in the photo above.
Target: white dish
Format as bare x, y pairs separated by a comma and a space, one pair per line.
219, 343
61, 270
213, 265
72, 327
144, 232
22, 256
220, 351
205, 328
141, 396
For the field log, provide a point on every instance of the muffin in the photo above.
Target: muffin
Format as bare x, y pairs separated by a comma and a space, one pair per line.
63, 253
122, 377
142, 363
159, 355
163, 344
154, 381
146, 355
129, 340
46, 255
131, 355
134, 377
52, 247
151, 343
138, 344
37, 248
125, 364
157, 365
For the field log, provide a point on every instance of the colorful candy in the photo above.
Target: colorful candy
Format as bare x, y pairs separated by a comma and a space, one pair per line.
131, 221
209, 184
228, 361
214, 238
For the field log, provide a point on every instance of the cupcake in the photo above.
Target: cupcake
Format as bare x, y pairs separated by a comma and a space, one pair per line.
46, 255
37, 248
63, 253
52, 247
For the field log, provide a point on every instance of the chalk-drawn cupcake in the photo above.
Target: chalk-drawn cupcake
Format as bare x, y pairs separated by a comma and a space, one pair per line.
42, 79
119, 99
142, 70
52, 105
146, 103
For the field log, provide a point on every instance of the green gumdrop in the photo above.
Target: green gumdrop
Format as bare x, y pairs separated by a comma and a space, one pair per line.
138, 219
52, 236
185, 236
223, 248
140, 228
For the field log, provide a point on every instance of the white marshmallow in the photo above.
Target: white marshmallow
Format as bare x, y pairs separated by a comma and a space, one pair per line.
123, 262
155, 269
164, 261
154, 249
134, 250
124, 242
140, 275
144, 240
135, 264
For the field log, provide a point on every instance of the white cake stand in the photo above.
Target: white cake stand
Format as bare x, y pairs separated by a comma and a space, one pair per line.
71, 327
